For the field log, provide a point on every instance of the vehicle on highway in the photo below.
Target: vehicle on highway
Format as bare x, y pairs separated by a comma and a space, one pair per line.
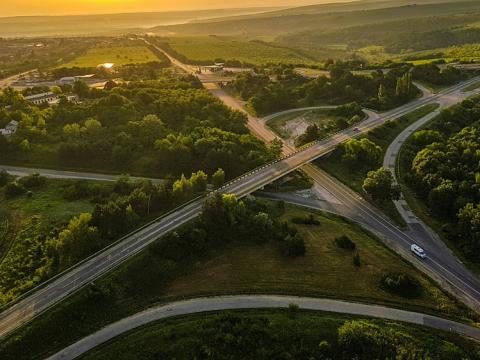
417, 250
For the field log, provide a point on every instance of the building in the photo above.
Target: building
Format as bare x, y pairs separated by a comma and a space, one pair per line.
43, 98
217, 67
72, 79
10, 129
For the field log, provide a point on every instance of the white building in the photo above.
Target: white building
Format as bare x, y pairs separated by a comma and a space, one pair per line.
10, 129
71, 79
43, 98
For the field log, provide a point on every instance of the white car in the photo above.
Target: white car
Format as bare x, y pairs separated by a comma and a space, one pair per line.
417, 250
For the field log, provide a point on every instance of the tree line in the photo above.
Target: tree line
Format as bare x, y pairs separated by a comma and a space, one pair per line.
281, 87
163, 128
442, 163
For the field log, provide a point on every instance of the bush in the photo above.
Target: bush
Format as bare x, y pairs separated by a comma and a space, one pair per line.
344, 242
356, 260
293, 246
14, 189
307, 220
32, 181
4, 178
401, 284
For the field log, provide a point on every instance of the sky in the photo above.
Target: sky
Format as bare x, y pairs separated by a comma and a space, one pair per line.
63, 7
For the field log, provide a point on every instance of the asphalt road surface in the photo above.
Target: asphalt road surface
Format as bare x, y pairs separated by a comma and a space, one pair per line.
203, 305
61, 174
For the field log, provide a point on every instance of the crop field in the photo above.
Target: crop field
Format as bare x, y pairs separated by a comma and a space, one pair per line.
118, 55
210, 48
469, 52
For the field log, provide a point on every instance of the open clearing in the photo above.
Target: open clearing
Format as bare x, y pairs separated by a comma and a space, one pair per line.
118, 55
326, 270
291, 126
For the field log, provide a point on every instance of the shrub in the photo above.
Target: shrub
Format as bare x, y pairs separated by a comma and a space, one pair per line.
4, 178
344, 242
356, 259
14, 189
293, 246
307, 220
401, 284
32, 181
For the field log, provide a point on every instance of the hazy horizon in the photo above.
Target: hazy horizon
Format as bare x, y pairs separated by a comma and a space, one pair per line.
11, 8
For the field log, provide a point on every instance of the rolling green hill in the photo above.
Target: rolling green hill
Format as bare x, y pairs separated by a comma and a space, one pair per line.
278, 23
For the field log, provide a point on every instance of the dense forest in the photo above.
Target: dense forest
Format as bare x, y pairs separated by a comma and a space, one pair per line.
443, 169
162, 128
282, 88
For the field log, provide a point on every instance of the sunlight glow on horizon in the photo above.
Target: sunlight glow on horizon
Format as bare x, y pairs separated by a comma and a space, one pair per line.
75, 7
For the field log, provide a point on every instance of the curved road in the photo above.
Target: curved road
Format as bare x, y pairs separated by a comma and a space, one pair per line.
63, 174
202, 305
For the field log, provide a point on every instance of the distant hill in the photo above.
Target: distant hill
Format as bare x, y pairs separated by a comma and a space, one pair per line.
106, 24
321, 17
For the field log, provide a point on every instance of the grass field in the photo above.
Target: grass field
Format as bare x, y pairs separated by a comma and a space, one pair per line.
211, 48
325, 271
382, 136
176, 335
118, 55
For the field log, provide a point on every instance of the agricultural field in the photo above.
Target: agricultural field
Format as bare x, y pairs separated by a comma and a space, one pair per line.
465, 53
203, 49
118, 55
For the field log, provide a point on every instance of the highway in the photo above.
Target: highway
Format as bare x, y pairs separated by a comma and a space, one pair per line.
441, 265
221, 303
451, 275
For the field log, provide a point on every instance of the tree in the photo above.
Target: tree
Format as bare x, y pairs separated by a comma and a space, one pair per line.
442, 199
81, 89
78, 239
380, 185
469, 227
344, 242
361, 153
293, 246
4, 178
91, 124
218, 178
199, 181
275, 147
25, 145
14, 189
382, 94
